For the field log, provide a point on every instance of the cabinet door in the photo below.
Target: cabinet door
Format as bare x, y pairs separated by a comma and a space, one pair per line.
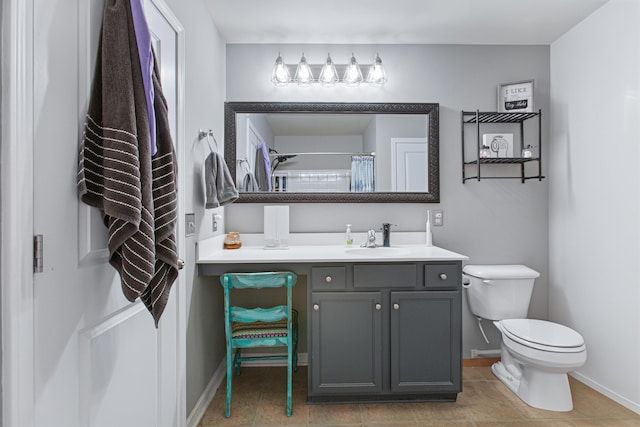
426, 342
346, 339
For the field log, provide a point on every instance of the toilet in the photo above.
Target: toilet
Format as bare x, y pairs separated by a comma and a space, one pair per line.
536, 355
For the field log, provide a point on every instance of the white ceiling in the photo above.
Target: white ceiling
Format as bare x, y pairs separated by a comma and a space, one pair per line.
398, 21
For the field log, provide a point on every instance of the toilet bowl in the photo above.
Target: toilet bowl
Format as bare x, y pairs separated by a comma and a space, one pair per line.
536, 355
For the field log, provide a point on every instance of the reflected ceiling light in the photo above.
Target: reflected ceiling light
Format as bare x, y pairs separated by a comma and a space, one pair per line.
352, 75
377, 76
280, 75
328, 73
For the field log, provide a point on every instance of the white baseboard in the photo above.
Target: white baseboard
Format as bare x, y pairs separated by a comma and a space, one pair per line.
634, 406
219, 375
207, 395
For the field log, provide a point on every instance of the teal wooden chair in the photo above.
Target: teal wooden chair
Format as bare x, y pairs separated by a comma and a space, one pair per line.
260, 327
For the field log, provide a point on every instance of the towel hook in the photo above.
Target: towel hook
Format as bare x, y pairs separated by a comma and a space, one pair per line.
202, 134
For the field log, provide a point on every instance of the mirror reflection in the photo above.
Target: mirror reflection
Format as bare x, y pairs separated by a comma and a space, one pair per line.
333, 152
319, 153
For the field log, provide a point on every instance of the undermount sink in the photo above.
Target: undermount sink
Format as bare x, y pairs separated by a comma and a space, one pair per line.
378, 252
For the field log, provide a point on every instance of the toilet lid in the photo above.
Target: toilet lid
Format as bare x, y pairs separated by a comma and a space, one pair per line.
541, 332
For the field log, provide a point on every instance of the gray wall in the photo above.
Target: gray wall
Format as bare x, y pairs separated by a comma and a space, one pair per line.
204, 109
493, 221
594, 285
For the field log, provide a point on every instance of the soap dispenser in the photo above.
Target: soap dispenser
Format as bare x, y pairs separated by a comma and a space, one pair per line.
347, 236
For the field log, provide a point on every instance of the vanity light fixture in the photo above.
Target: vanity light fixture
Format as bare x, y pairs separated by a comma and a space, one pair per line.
352, 75
304, 76
280, 75
377, 75
328, 73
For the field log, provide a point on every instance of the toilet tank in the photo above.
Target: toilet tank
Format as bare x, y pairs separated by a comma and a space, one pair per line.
498, 292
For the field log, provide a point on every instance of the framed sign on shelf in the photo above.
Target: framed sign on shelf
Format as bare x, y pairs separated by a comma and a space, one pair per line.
516, 97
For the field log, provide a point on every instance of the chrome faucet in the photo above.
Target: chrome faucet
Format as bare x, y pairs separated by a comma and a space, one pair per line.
386, 235
371, 239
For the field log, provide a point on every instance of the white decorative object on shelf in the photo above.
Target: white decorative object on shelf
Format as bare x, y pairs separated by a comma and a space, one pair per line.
516, 97
500, 145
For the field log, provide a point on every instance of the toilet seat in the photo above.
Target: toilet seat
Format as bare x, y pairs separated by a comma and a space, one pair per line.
543, 335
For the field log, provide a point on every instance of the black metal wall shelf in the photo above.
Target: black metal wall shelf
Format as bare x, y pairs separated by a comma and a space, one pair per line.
486, 117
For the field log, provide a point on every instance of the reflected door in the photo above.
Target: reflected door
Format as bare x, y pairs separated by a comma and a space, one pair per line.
409, 164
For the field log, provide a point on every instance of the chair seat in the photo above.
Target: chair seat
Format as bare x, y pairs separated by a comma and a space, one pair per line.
256, 330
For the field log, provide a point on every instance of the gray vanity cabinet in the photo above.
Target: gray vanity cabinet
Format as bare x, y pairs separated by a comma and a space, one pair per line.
425, 341
385, 332
347, 342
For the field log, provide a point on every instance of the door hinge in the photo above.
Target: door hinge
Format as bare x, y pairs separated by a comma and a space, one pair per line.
38, 253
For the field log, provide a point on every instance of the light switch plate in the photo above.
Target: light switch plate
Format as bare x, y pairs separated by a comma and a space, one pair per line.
190, 224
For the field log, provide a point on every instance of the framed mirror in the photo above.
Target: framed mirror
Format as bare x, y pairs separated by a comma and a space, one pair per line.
333, 152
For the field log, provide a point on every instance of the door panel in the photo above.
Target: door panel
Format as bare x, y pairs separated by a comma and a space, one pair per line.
347, 342
425, 341
98, 359
409, 164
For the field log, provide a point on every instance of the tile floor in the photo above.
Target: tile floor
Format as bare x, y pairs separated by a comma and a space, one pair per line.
259, 399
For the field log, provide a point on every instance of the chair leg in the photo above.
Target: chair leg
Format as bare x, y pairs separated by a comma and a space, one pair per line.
229, 379
295, 347
289, 379
237, 362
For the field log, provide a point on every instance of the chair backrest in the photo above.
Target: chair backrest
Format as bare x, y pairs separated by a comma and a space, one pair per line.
272, 279
275, 279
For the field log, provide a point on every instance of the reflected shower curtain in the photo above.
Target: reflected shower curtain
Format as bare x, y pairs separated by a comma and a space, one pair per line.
362, 174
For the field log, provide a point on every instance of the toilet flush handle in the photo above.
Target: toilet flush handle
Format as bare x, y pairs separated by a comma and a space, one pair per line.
466, 282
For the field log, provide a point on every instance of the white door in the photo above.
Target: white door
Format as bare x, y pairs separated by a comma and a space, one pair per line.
409, 164
99, 361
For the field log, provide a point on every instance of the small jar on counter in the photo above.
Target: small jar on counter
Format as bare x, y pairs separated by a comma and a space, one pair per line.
232, 241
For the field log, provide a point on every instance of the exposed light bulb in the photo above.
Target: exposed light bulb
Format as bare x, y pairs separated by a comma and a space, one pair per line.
353, 75
280, 75
304, 76
377, 75
328, 75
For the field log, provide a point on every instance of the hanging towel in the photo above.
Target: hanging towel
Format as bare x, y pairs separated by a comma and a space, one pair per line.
116, 173
219, 186
143, 41
249, 183
165, 208
263, 168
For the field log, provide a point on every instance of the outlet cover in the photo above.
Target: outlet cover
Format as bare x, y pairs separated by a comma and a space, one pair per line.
438, 218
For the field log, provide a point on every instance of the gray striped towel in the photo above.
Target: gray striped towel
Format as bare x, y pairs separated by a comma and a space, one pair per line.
135, 193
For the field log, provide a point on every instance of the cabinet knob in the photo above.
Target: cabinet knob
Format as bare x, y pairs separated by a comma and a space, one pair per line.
328, 279
443, 276
378, 306
316, 307
396, 306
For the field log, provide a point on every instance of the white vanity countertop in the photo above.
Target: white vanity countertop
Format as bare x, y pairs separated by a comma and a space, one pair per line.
323, 247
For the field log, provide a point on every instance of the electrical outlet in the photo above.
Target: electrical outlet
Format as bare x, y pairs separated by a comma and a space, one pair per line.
190, 224
438, 218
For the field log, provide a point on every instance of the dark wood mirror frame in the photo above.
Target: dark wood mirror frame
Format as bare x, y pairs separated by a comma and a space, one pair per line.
431, 110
